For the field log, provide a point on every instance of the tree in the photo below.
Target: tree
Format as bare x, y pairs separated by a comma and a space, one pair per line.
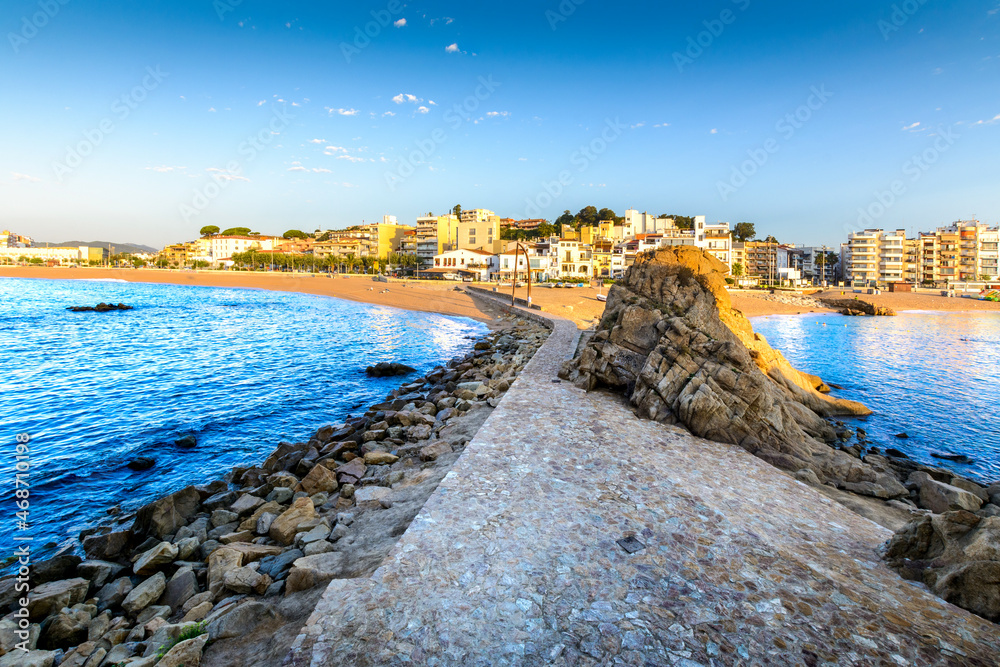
606, 214
744, 231
737, 270
457, 211
770, 239
294, 234
587, 216
209, 230
566, 218
682, 221
545, 230
237, 231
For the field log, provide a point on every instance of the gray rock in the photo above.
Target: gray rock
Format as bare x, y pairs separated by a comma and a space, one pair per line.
223, 517
971, 487
246, 504
145, 594
112, 594
181, 588
239, 620
162, 554
319, 547
53, 596
29, 659
185, 654
165, 515
281, 494
99, 572
939, 498
279, 566
153, 611
264, 522
311, 571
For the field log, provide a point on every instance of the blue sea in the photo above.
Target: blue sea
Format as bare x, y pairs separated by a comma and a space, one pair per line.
933, 376
240, 370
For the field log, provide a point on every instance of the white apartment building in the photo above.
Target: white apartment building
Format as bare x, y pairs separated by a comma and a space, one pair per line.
717, 239
876, 256
216, 249
62, 256
478, 264
575, 260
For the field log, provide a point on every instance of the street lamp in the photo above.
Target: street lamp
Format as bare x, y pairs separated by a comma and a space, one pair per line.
527, 260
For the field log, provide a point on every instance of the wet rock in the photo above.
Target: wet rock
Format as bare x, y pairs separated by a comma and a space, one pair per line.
107, 546
55, 569
63, 631
164, 516
186, 442
385, 369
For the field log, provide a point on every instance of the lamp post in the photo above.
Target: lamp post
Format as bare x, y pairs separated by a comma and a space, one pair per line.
527, 260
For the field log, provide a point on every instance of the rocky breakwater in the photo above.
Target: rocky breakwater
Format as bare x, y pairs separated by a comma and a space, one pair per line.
225, 573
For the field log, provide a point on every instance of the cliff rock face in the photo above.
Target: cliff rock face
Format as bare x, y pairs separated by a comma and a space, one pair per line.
671, 341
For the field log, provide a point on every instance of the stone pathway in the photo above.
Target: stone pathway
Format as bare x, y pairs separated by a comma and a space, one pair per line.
571, 533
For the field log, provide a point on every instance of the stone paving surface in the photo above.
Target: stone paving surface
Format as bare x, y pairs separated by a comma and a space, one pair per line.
515, 559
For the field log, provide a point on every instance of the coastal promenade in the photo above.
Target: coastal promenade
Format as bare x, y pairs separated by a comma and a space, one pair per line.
572, 533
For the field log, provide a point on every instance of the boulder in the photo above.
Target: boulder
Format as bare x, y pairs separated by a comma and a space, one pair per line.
311, 571
434, 450
956, 554
29, 659
145, 594
186, 442
386, 369
181, 588
319, 480
240, 620
63, 631
221, 561
185, 654
112, 594
98, 572
164, 516
246, 580
939, 497
108, 546
283, 528
141, 463
372, 497
351, 472
380, 458
53, 596
55, 569
971, 487
246, 503
163, 553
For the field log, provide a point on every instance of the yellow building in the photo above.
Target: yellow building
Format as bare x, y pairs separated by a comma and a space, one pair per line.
480, 234
590, 235
60, 255
443, 228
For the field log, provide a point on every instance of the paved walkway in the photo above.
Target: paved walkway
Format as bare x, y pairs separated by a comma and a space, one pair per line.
517, 558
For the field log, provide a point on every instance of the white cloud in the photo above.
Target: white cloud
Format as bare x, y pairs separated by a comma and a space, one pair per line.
522, 159
432, 103
333, 150
320, 170
995, 119
165, 170
452, 49
317, 141
211, 109
400, 23
299, 168
261, 103
224, 175
388, 113
911, 127
662, 125
714, 131
638, 125
25, 177
406, 97
498, 114
342, 112
423, 110
351, 158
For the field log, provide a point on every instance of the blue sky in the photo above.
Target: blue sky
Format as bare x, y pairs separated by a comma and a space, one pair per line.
143, 122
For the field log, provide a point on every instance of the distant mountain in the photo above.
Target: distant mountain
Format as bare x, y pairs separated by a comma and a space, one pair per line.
119, 248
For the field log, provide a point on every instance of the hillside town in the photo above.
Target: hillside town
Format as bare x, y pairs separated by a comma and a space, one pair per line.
478, 245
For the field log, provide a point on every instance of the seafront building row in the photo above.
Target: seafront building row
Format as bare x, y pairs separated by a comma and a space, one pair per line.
476, 244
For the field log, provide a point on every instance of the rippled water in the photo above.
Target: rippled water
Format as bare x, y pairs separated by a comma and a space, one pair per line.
933, 376
239, 369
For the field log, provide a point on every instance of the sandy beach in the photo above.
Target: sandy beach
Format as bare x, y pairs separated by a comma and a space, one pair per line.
578, 304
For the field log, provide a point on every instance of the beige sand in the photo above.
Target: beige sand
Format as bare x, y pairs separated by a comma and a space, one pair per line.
579, 305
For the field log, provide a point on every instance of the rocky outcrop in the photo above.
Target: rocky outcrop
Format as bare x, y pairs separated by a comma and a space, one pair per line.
386, 369
956, 554
856, 308
99, 308
671, 341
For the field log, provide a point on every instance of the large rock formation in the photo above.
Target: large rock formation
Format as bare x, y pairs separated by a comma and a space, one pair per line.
671, 341
957, 554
